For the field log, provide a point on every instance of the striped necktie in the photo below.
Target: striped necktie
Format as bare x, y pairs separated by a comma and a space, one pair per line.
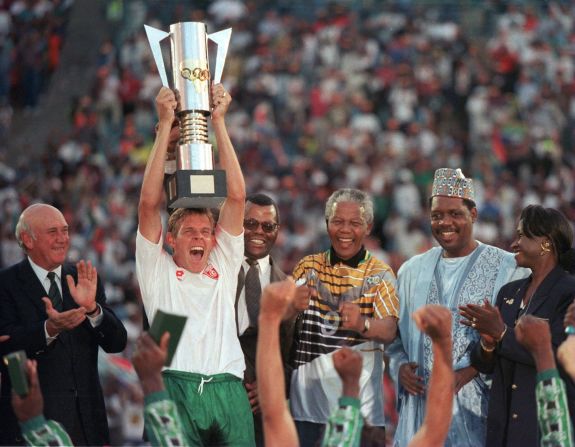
54, 292
253, 289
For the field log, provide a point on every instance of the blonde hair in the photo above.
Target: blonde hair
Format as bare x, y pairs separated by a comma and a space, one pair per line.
175, 219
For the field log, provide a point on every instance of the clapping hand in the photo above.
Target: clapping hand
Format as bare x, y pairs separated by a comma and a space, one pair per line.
84, 292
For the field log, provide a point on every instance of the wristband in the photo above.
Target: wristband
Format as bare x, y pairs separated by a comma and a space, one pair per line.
93, 312
485, 348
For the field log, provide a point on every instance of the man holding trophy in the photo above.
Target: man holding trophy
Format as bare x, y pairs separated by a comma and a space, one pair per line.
199, 279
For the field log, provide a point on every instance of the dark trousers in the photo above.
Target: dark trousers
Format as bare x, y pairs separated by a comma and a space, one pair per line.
259, 430
310, 434
76, 432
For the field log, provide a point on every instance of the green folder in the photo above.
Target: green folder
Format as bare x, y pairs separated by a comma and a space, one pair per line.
16, 364
167, 322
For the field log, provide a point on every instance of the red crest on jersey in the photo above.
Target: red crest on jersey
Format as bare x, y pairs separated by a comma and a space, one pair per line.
211, 272
179, 274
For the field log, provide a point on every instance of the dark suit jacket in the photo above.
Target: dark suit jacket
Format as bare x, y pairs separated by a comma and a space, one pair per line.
68, 367
249, 342
249, 338
514, 373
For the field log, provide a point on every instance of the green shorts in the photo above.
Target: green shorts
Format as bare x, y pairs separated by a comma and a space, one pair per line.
214, 410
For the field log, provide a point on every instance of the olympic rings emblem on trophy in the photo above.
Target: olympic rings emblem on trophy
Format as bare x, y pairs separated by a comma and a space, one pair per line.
195, 74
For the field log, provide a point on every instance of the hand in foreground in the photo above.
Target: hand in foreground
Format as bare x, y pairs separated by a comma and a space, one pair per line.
84, 293
221, 100
62, 321
31, 405
434, 321
276, 299
533, 333
148, 360
411, 382
347, 363
166, 105
351, 317
252, 389
566, 355
4, 338
486, 319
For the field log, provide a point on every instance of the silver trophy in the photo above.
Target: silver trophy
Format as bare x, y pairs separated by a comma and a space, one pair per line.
195, 184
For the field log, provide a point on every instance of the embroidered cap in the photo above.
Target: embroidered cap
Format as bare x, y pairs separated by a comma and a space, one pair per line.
452, 183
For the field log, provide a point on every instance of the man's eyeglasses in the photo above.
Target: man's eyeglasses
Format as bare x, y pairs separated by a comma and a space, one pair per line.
253, 224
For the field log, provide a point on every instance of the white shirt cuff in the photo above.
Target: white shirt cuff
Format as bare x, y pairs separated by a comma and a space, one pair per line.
49, 339
96, 320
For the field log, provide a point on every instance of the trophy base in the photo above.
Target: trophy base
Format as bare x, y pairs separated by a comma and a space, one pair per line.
196, 189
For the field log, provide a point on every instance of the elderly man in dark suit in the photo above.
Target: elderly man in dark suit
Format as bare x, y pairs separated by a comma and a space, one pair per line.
261, 225
57, 313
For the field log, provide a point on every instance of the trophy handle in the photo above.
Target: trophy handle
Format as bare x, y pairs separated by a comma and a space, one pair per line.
155, 36
222, 40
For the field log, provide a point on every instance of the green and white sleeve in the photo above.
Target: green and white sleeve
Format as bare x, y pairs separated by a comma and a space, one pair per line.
40, 431
162, 421
553, 410
344, 426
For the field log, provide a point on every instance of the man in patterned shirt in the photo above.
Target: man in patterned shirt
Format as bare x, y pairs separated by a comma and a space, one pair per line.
353, 304
460, 271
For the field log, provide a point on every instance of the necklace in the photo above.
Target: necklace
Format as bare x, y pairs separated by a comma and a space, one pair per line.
523, 309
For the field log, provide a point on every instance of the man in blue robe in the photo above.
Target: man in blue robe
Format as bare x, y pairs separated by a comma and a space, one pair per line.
460, 271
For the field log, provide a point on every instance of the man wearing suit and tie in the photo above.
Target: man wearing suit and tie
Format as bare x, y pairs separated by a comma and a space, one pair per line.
57, 313
261, 225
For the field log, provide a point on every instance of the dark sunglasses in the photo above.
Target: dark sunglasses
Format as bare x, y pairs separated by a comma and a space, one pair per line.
253, 224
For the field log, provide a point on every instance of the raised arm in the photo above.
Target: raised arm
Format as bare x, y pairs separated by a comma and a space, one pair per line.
435, 321
163, 424
152, 192
534, 335
555, 424
345, 423
232, 212
29, 409
279, 428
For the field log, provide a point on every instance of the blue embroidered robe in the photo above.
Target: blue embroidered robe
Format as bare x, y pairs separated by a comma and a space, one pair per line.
479, 275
